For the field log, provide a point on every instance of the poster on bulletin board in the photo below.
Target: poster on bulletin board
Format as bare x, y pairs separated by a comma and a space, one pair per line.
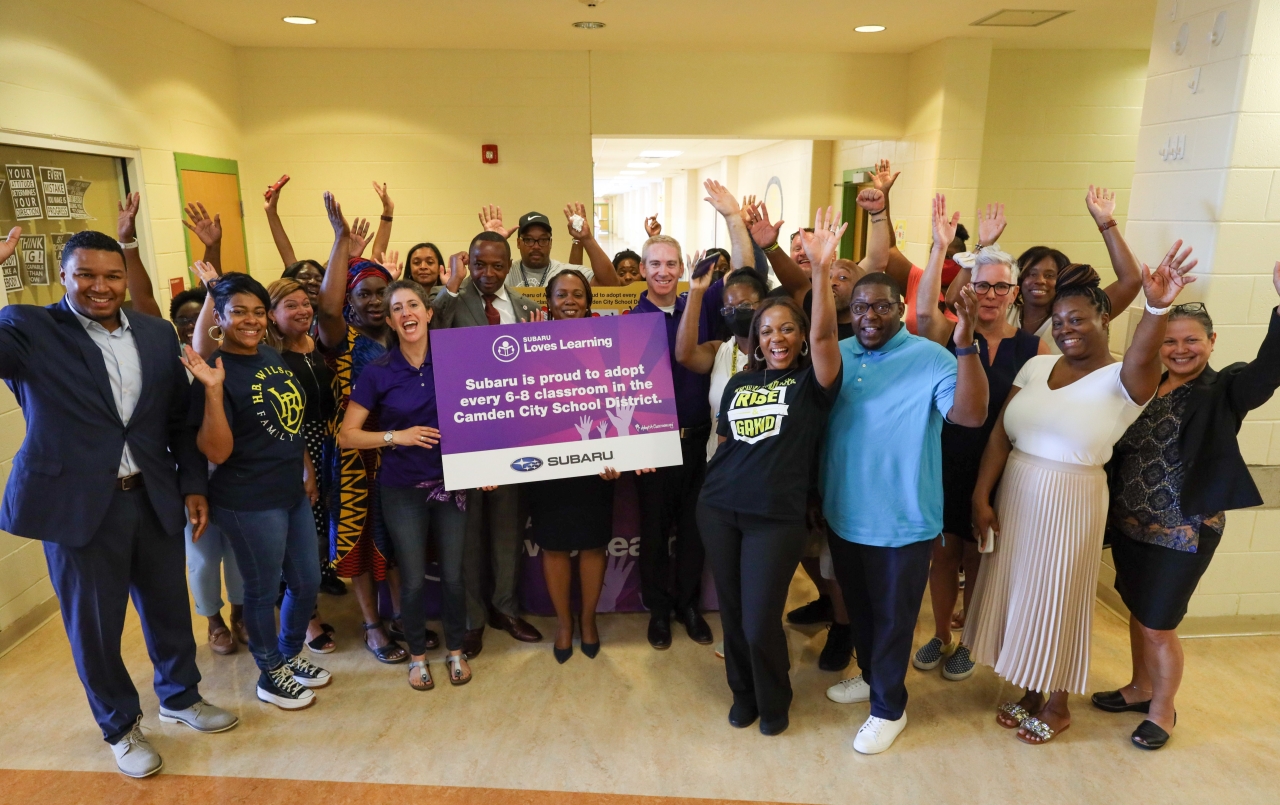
23, 192
34, 259
53, 186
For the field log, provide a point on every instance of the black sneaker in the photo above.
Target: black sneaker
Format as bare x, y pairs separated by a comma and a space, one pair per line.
330, 584
838, 652
307, 673
814, 612
279, 687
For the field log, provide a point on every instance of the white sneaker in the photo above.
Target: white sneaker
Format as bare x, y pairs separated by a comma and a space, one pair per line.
849, 691
134, 755
878, 734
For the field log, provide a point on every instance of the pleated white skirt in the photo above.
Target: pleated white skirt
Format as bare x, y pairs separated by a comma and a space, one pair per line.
1032, 610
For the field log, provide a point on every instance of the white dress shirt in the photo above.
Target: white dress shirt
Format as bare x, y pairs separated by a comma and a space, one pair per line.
124, 367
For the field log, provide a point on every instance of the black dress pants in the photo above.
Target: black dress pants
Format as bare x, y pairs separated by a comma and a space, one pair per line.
669, 497
883, 588
753, 560
130, 556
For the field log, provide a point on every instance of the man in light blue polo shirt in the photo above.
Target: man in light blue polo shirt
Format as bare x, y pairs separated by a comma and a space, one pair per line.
882, 486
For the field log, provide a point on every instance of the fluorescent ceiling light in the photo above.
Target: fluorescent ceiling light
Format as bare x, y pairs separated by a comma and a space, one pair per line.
659, 154
643, 164
299, 20
869, 29
631, 173
588, 25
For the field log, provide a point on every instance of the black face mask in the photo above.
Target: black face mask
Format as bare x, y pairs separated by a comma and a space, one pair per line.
739, 322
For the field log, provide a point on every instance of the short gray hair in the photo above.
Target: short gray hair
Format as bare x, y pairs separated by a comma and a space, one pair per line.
990, 256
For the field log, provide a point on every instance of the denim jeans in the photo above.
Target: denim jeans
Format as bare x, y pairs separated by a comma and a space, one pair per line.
268, 544
410, 519
208, 560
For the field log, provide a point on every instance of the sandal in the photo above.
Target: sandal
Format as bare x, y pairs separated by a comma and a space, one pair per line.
425, 680
1040, 730
322, 643
391, 653
328, 628
395, 628
1113, 701
1150, 735
1014, 711
455, 670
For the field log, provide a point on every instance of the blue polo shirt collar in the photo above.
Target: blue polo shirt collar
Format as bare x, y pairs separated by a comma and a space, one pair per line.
899, 338
400, 364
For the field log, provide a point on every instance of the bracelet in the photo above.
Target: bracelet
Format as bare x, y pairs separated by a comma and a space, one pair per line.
133, 244
387, 218
772, 247
1107, 225
875, 220
972, 349
1156, 311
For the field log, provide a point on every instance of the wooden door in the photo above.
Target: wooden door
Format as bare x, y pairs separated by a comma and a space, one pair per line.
215, 183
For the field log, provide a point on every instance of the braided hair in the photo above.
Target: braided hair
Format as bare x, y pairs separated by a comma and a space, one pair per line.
1080, 279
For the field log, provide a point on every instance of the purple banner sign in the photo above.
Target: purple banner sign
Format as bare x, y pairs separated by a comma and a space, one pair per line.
555, 399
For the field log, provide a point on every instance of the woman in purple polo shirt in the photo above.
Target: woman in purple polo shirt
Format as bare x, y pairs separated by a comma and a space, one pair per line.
400, 388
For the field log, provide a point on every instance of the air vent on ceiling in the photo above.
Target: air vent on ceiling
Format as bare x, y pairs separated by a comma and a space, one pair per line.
1019, 18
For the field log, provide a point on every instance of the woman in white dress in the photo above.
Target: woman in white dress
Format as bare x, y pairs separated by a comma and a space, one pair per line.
1033, 604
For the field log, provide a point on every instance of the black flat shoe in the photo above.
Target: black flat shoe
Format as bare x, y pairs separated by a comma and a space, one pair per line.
562, 654
816, 611
838, 651
1113, 701
742, 715
660, 631
1150, 735
776, 728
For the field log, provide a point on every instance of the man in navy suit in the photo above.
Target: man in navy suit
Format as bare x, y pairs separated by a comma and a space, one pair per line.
102, 478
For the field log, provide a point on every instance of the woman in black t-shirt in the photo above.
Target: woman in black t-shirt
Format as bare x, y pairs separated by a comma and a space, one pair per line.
248, 408
752, 509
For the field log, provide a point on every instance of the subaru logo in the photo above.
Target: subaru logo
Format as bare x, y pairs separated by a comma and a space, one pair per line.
526, 464
506, 348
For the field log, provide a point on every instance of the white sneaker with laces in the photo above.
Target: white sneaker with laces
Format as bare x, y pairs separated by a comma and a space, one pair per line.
849, 691
135, 756
878, 734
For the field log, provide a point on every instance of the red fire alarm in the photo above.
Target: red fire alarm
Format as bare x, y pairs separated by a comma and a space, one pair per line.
176, 286
489, 154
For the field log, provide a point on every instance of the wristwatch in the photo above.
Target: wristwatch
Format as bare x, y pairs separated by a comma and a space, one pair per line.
972, 349
388, 436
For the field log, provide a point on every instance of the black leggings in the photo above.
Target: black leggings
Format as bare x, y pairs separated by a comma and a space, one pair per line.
753, 559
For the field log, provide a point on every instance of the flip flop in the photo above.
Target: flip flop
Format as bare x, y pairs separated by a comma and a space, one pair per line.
1013, 710
1040, 730
455, 670
427, 682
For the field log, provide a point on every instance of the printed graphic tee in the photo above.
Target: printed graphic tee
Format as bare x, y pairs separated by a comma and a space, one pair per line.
265, 407
773, 422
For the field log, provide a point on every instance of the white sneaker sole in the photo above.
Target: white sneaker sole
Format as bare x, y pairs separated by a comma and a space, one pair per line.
172, 720
926, 666
145, 775
313, 683
959, 677
862, 697
285, 703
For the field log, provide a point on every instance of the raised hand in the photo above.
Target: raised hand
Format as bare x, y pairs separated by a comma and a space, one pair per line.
691, 261
391, 262
1162, 286
417, 436
651, 225
1101, 203
10, 244
126, 222
966, 315
822, 243
582, 233
871, 200
272, 194
583, 428
991, 224
209, 376
720, 198
388, 206
763, 232
748, 204
603, 427
208, 230
944, 228
334, 210
360, 236
206, 272
610, 474
454, 271
883, 178
491, 221
622, 420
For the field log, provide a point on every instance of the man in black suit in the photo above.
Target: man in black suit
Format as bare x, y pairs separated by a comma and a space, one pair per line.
105, 403
493, 517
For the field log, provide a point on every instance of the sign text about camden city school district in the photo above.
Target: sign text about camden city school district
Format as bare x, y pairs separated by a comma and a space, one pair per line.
598, 388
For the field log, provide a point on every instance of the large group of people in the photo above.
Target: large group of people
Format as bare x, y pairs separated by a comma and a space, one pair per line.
883, 426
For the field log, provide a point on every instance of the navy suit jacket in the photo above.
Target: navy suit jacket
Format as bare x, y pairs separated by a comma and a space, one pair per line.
64, 476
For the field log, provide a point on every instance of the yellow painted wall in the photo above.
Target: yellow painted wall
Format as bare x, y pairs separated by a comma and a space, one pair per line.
110, 71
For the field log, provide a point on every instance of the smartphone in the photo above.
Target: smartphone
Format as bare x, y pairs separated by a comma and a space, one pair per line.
704, 265
276, 187
988, 541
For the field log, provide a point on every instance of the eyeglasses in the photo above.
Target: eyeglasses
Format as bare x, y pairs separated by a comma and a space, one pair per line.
729, 310
1189, 307
1001, 288
881, 308
183, 321
543, 242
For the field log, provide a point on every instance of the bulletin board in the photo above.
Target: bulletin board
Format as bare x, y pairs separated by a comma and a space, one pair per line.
52, 195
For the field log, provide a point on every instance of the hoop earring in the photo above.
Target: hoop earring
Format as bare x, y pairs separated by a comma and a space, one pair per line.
217, 337
804, 348
758, 355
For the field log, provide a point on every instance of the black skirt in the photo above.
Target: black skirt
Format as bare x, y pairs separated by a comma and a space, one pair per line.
571, 514
1156, 582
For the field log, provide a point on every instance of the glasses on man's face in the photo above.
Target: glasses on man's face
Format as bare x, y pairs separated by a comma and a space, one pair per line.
881, 308
1189, 307
729, 310
1001, 288
544, 242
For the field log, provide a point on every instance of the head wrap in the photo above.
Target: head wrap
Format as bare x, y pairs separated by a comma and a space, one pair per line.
359, 270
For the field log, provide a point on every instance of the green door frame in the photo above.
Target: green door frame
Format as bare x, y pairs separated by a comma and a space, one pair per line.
853, 245
195, 162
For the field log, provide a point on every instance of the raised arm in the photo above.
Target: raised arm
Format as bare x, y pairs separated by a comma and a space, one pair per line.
821, 246
382, 238
882, 179
930, 323
283, 246
1256, 381
602, 269
575, 253
719, 197
214, 438
491, 221
763, 231
333, 288
1141, 370
208, 230
970, 405
136, 279
876, 203
15, 346
1102, 205
203, 343
693, 356
991, 224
